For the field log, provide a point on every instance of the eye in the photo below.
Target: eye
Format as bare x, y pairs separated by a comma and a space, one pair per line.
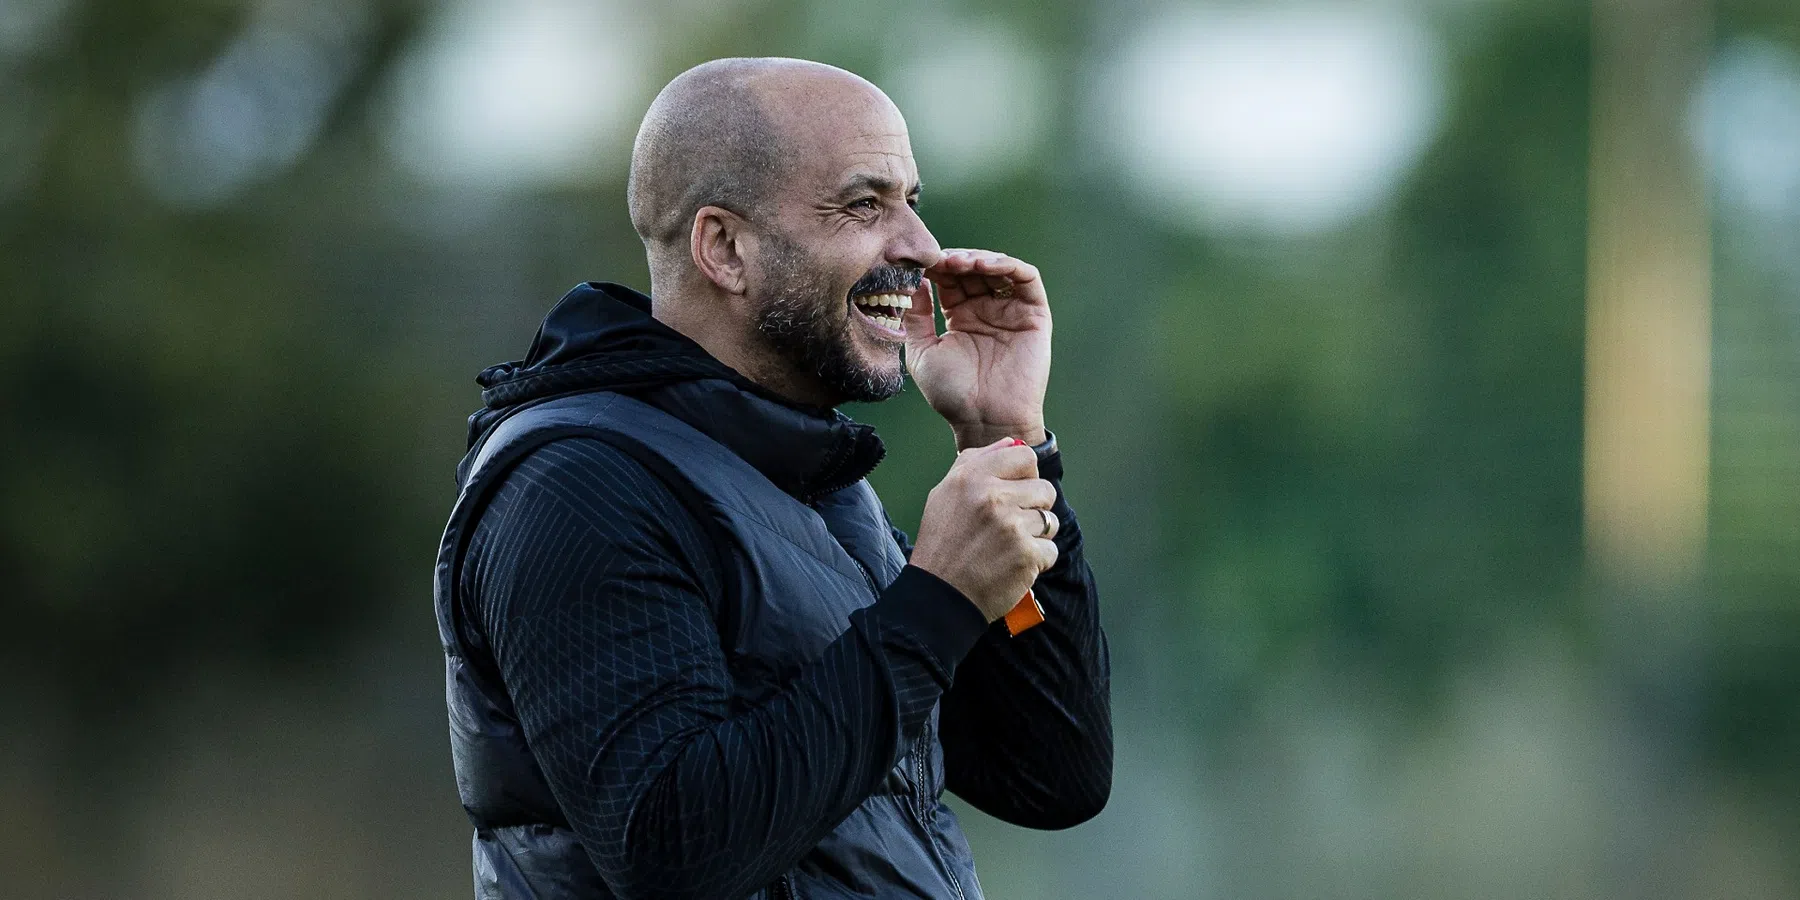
869, 203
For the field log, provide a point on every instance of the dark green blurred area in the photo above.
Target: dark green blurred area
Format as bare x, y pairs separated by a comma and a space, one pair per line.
1331, 483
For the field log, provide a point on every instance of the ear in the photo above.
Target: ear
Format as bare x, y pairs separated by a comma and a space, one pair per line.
716, 242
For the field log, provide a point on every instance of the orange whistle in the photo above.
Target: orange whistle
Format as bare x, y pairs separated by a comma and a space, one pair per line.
1028, 614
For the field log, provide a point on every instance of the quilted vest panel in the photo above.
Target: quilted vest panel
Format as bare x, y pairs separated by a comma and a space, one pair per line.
794, 573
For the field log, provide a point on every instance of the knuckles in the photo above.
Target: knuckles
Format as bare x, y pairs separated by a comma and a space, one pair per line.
992, 507
989, 502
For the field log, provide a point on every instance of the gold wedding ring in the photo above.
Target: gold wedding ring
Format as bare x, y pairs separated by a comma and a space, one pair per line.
1050, 523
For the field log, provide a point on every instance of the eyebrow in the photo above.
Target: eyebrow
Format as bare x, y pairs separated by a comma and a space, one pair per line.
875, 183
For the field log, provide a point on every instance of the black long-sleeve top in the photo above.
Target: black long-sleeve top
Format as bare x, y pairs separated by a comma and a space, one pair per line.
589, 581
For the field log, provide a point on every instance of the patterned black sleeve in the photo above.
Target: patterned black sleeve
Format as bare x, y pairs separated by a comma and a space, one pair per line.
591, 585
1027, 727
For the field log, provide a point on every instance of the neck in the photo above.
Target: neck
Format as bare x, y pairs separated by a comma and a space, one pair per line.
724, 327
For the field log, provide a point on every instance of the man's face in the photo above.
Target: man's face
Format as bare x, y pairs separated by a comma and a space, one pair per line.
844, 250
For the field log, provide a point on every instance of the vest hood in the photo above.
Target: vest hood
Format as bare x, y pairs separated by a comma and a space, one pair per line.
601, 337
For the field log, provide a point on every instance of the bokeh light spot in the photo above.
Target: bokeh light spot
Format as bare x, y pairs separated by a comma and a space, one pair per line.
1746, 121
1288, 120
509, 95
198, 140
977, 105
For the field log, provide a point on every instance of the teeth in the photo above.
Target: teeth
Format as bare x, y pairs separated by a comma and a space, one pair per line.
896, 301
884, 309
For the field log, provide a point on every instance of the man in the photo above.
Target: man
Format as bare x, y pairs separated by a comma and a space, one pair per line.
688, 656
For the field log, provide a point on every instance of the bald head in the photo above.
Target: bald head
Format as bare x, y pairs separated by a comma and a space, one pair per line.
723, 134
772, 196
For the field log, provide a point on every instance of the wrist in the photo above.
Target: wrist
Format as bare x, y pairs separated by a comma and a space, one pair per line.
938, 613
968, 436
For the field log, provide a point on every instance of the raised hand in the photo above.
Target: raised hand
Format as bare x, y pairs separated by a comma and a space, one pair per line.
986, 374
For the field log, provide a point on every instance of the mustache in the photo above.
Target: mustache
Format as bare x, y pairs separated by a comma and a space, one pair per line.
888, 280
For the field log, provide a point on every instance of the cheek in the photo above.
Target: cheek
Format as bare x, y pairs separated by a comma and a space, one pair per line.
849, 256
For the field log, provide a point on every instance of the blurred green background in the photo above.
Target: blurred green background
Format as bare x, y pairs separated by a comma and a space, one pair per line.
1321, 275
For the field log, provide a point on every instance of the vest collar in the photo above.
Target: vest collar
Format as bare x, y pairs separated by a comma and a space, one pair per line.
805, 452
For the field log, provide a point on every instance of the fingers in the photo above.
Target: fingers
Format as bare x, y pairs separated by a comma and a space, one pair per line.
1028, 493
919, 321
1038, 523
985, 263
966, 274
1000, 444
1003, 442
1001, 459
1046, 552
960, 275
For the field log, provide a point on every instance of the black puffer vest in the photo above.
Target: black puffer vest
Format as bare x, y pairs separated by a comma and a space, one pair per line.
798, 558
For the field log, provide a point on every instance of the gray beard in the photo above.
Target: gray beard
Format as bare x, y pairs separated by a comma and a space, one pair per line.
797, 323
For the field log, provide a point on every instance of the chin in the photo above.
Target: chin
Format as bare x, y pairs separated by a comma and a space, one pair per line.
874, 381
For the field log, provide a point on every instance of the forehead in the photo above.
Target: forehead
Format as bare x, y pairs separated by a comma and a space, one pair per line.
848, 135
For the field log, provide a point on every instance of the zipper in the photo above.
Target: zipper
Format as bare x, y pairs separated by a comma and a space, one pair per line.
782, 889
944, 861
921, 789
926, 806
839, 479
918, 780
868, 577
954, 884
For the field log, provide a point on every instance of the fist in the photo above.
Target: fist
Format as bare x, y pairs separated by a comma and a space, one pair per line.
984, 528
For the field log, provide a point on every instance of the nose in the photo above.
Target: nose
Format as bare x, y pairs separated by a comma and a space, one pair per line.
914, 246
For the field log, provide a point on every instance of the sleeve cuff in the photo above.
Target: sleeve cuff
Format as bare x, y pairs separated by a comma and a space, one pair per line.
1049, 457
947, 623
1050, 468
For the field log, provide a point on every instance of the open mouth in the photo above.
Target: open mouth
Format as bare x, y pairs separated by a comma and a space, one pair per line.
884, 310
